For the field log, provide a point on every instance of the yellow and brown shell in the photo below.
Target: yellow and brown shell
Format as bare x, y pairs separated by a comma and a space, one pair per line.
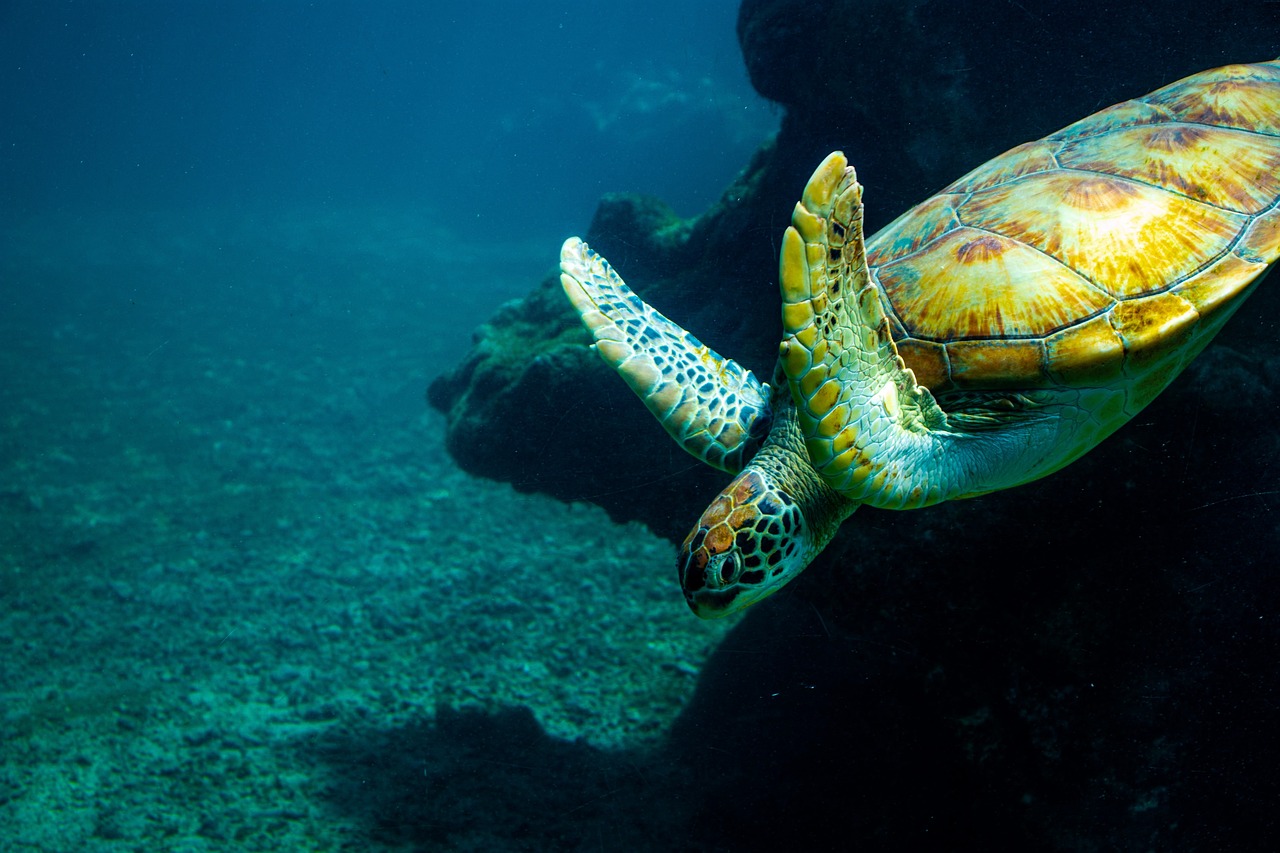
1107, 253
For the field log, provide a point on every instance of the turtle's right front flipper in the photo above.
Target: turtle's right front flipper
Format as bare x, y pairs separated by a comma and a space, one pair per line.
713, 407
873, 433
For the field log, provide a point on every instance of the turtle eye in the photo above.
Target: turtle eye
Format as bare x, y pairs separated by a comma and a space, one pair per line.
726, 567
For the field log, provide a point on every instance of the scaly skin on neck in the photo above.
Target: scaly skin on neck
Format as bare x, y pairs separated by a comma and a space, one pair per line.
763, 529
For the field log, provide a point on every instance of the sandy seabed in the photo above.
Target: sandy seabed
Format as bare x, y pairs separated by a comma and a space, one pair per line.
249, 603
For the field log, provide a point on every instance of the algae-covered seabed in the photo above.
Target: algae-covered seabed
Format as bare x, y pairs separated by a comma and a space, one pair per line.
247, 600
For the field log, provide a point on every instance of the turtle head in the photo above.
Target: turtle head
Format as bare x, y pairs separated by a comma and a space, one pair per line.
752, 540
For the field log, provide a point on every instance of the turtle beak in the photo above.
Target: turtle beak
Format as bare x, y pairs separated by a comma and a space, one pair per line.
712, 604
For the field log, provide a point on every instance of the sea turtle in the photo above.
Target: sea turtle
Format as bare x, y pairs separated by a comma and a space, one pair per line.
984, 339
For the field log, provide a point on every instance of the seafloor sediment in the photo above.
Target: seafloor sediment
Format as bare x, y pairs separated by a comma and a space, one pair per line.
246, 600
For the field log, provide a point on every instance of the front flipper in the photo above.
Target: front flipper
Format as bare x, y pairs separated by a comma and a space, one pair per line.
710, 405
872, 432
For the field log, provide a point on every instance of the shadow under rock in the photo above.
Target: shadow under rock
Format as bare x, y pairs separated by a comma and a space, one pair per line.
793, 741
742, 758
471, 780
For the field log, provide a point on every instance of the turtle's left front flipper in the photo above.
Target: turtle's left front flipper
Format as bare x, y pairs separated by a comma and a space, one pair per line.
713, 407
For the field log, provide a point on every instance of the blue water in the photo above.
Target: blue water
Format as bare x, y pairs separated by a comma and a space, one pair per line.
492, 114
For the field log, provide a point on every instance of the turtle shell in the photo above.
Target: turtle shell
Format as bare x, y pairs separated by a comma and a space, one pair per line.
1107, 253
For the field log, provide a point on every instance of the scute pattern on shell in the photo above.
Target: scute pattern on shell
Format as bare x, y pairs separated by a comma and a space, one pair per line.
1117, 246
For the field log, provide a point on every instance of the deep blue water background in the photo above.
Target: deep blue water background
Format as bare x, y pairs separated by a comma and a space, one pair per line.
502, 115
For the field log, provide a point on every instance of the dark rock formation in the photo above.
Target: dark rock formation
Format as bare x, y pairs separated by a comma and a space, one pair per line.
1089, 660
